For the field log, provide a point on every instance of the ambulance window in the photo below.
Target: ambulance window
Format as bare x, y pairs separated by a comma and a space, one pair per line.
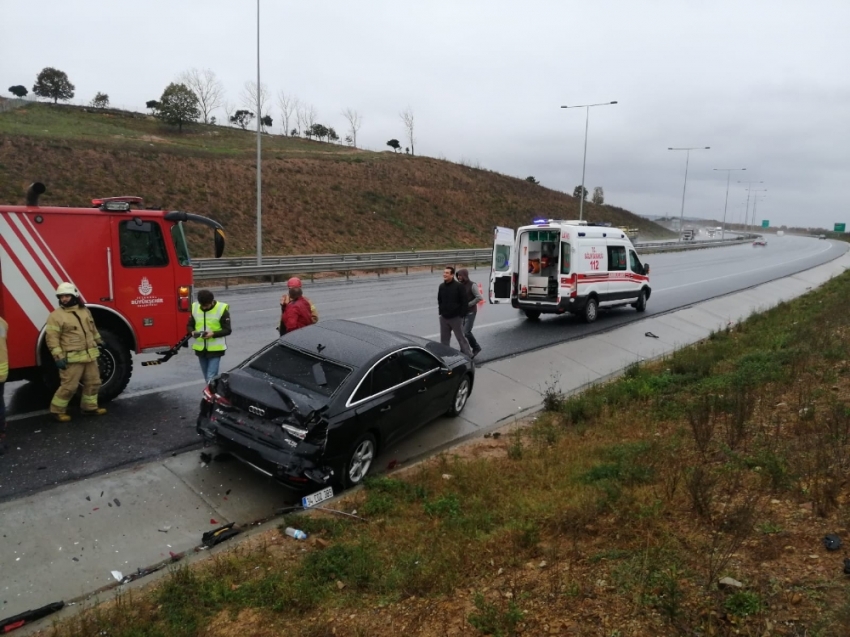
565, 258
635, 263
503, 258
142, 244
616, 258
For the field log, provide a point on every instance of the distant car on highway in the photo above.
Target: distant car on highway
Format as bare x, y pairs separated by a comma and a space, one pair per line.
760, 242
822, 236
315, 406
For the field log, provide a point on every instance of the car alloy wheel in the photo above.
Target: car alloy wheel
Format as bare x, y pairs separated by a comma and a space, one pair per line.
461, 396
361, 459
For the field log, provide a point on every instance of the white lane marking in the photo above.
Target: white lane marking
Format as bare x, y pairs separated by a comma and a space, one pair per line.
359, 318
728, 276
127, 396
483, 326
418, 309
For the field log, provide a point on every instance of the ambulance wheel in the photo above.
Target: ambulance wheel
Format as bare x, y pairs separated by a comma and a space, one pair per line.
640, 304
591, 310
532, 314
116, 366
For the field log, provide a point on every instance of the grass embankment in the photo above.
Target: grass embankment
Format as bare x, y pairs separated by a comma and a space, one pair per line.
615, 512
317, 197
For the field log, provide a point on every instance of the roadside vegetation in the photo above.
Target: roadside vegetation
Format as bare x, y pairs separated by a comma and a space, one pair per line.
318, 197
619, 511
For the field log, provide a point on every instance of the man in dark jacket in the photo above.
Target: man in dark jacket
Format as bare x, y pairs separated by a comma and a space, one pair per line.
452, 304
474, 297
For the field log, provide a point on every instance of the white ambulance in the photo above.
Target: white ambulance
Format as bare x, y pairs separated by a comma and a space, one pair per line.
553, 267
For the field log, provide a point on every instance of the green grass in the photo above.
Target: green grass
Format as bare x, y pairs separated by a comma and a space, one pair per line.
67, 124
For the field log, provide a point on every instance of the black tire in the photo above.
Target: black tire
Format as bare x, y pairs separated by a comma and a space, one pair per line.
116, 366
532, 314
591, 310
461, 396
360, 460
640, 304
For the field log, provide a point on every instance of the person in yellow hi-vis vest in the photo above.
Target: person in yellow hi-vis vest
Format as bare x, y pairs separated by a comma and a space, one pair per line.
73, 341
209, 324
4, 374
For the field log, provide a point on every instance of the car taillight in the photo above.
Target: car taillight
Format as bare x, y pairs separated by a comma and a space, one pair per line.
574, 283
514, 281
221, 400
208, 395
295, 431
184, 298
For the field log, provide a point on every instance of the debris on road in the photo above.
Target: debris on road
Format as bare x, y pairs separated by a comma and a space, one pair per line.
216, 536
17, 621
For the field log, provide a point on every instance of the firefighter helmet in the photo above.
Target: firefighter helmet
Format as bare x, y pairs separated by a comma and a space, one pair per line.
294, 282
67, 288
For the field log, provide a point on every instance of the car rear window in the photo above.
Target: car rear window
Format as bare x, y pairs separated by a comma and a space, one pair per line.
296, 367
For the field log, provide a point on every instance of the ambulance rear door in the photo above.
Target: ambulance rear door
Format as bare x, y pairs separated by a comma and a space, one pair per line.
502, 265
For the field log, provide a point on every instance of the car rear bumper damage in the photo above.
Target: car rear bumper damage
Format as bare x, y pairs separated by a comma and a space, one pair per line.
292, 470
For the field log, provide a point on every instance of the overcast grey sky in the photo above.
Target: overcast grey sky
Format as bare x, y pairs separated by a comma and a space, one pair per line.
764, 83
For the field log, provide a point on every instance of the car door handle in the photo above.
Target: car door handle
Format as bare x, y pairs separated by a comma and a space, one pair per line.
422, 391
387, 408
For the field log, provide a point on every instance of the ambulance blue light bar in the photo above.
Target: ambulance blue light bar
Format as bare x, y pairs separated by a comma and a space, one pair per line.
538, 222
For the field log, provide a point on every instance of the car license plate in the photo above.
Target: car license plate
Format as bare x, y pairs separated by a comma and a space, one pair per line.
314, 498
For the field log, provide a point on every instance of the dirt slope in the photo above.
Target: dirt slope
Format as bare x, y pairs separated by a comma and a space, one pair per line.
317, 197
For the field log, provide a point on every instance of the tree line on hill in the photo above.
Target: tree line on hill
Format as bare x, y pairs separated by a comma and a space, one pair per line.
197, 93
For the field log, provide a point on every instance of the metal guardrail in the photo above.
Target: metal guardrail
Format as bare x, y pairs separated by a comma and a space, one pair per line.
278, 267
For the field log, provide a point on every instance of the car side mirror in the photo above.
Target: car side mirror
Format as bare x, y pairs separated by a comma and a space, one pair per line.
646, 268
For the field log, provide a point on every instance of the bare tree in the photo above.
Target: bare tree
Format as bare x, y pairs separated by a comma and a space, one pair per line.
248, 98
207, 88
287, 105
229, 109
354, 121
407, 118
301, 115
306, 114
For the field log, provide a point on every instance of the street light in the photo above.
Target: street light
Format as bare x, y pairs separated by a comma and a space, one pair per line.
755, 201
687, 160
259, 154
725, 205
747, 208
584, 161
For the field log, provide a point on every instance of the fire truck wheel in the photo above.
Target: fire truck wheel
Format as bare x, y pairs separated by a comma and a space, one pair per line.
116, 366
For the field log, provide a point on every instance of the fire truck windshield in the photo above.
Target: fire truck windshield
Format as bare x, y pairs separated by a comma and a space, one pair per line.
180, 245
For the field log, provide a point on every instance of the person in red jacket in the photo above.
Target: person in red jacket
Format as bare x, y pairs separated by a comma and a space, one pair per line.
296, 310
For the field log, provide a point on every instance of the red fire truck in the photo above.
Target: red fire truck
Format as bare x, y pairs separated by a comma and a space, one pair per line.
131, 266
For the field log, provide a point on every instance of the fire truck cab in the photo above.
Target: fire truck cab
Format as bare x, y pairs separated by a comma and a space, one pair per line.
553, 267
131, 266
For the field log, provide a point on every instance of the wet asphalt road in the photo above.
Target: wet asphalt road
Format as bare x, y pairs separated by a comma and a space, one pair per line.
155, 416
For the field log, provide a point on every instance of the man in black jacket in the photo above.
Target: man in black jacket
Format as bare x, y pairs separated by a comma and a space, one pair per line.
452, 304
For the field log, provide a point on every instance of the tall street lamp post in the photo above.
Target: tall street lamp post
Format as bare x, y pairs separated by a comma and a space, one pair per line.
687, 161
755, 201
259, 154
726, 204
747, 207
584, 161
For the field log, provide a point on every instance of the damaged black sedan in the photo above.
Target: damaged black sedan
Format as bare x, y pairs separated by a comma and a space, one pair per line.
315, 406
